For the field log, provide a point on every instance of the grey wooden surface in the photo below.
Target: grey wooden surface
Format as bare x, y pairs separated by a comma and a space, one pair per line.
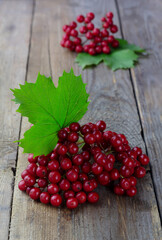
129, 102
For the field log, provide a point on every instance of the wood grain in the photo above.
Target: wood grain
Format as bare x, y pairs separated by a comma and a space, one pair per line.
112, 100
14, 42
147, 76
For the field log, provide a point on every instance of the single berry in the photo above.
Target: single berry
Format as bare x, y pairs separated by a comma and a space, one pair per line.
131, 191
114, 174
72, 175
72, 203
41, 171
53, 188
35, 193
101, 125
74, 127
81, 197
66, 164
56, 200
73, 148
140, 172
29, 180
54, 177
125, 183
45, 197
93, 197
144, 159
42, 182
53, 165
77, 186
119, 190
69, 194
80, 18
78, 159
64, 185
22, 185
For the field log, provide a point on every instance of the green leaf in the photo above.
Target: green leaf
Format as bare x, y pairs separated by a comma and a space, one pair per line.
50, 109
121, 59
85, 59
123, 44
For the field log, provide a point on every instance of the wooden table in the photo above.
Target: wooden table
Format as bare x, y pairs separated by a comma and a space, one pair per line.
129, 101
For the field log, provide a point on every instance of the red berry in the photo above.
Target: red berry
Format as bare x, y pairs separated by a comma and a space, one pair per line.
74, 127
131, 191
86, 48
86, 155
41, 171
24, 173
96, 31
90, 26
106, 25
72, 175
110, 39
109, 15
45, 197
54, 177
66, 164
111, 158
74, 33
98, 49
28, 190
91, 51
72, 203
79, 48
42, 160
69, 194
101, 125
87, 20
64, 185
81, 197
78, 159
77, 186
119, 190
29, 180
42, 182
86, 167
124, 183
53, 165
90, 15
104, 178
62, 150
107, 135
96, 168
137, 150
56, 200
103, 19
108, 166
77, 41
53, 188
88, 186
22, 185
115, 44
75, 168
113, 28
68, 44
93, 197
82, 177
133, 181
73, 24
62, 134
80, 18
140, 172
64, 27
129, 162
73, 148
98, 135
144, 159
89, 138
114, 174
125, 171
35, 193
89, 35
31, 159
85, 129
83, 29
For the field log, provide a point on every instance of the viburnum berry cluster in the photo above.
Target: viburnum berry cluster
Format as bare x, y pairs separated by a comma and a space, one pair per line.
85, 157
88, 38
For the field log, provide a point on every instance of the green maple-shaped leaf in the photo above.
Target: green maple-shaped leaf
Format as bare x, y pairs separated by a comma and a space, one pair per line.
50, 109
120, 58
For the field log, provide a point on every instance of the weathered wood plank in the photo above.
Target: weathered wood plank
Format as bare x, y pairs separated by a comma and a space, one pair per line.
112, 100
144, 19
15, 20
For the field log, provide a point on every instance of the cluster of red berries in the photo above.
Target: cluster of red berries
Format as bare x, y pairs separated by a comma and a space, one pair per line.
99, 40
84, 157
